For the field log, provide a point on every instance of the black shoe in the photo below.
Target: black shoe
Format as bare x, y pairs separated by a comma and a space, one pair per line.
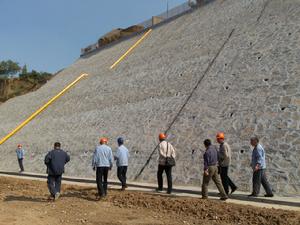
233, 190
51, 198
158, 190
99, 198
169, 192
253, 195
223, 198
269, 195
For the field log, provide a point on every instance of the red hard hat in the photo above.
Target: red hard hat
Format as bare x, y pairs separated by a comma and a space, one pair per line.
220, 135
103, 140
162, 136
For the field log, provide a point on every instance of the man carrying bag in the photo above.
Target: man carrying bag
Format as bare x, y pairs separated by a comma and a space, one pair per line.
166, 161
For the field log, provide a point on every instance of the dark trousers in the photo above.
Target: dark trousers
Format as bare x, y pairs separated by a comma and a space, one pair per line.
226, 181
259, 177
121, 172
54, 184
20, 161
101, 179
168, 170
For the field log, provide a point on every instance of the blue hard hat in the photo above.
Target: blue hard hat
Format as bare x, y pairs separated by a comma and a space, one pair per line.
120, 141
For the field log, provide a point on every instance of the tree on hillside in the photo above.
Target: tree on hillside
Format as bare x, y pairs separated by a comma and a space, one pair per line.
36, 77
24, 70
9, 68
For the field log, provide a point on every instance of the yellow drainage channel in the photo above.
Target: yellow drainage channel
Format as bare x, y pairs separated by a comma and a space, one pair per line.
42, 109
130, 49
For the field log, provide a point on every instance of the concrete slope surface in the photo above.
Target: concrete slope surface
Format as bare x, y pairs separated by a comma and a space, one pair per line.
252, 88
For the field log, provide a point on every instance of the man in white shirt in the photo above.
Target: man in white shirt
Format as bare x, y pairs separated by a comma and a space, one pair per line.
166, 150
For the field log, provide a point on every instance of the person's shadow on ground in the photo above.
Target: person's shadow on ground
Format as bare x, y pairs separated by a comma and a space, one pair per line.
12, 198
88, 194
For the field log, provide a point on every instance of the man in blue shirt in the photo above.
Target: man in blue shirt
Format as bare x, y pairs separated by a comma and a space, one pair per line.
102, 163
20, 156
258, 164
122, 156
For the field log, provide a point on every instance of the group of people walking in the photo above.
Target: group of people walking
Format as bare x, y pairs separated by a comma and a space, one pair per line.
216, 165
217, 162
103, 161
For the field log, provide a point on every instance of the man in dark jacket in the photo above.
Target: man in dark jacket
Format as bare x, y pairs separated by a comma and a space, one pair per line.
210, 159
55, 161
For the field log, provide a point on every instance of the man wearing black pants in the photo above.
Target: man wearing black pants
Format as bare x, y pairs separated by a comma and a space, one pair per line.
121, 173
54, 184
102, 163
55, 161
122, 156
101, 179
258, 164
168, 170
165, 150
224, 159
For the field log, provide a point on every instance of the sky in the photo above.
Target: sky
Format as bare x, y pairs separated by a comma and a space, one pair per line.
47, 35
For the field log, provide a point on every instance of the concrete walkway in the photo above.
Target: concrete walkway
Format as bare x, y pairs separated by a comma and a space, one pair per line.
277, 202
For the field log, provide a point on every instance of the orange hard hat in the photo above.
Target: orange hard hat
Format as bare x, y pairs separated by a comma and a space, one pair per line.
19, 146
162, 136
103, 141
220, 135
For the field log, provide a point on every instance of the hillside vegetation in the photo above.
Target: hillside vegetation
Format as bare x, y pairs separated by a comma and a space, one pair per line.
15, 81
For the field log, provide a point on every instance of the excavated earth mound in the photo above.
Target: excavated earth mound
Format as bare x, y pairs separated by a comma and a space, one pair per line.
25, 202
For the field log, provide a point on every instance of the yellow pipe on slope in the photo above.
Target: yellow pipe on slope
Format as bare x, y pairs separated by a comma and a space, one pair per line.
131, 48
42, 109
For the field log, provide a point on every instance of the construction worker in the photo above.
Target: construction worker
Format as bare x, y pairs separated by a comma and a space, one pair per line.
102, 163
166, 152
55, 161
121, 157
258, 164
210, 158
224, 158
20, 155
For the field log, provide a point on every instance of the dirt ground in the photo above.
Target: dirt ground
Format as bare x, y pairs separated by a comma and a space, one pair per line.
26, 202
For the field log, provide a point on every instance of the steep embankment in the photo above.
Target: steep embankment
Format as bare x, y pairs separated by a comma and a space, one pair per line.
251, 88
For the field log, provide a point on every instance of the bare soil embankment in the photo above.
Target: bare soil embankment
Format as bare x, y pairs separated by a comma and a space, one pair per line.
26, 202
